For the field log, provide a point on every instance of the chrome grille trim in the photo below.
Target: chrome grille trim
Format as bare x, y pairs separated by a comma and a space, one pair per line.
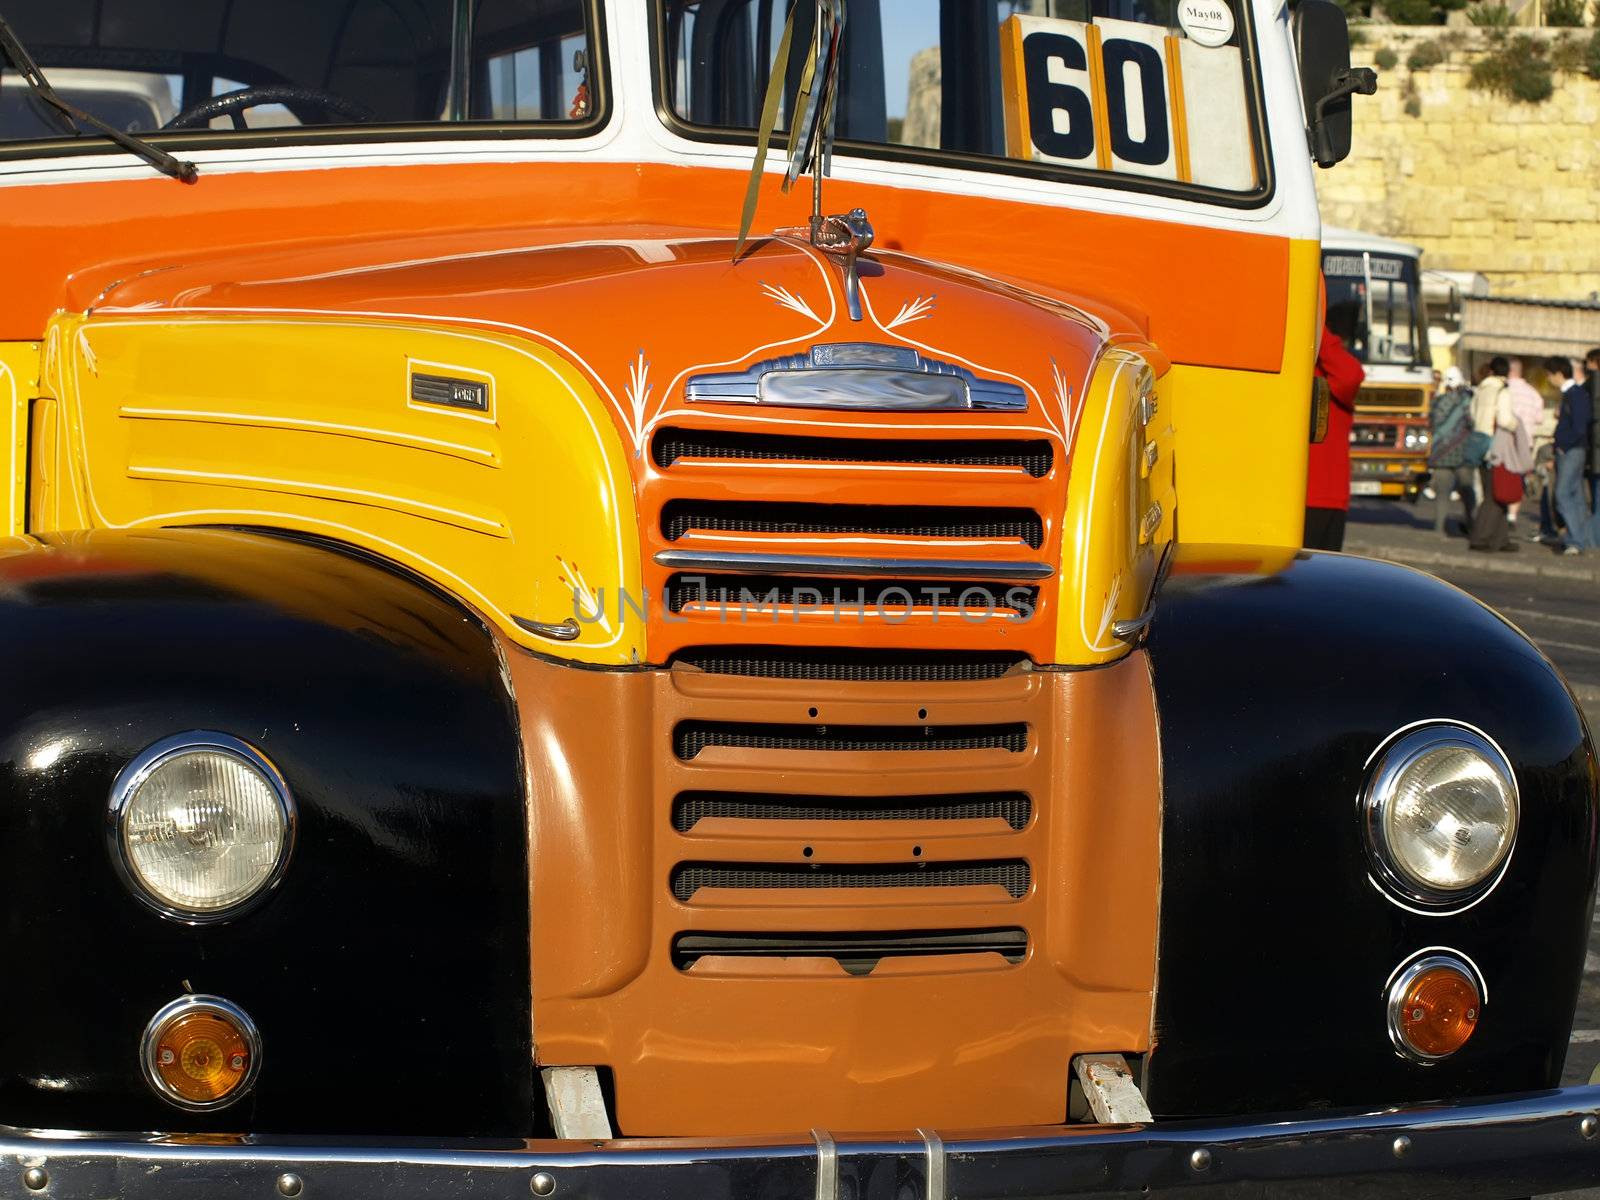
826, 564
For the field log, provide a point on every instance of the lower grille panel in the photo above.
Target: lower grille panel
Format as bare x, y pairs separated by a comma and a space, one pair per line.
836, 664
691, 737
690, 808
857, 953
688, 878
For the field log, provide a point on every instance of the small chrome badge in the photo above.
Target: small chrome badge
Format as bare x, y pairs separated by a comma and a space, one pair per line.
450, 392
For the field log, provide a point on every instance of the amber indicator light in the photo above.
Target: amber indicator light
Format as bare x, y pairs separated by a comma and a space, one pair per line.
201, 1054
1434, 1010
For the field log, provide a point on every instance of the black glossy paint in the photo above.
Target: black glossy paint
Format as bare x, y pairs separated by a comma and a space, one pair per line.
1273, 691
388, 973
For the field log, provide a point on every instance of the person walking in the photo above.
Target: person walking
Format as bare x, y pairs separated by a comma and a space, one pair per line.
1328, 464
1529, 407
1491, 416
1572, 455
1450, 425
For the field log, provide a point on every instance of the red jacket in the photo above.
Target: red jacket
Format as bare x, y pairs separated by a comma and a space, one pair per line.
1328, 476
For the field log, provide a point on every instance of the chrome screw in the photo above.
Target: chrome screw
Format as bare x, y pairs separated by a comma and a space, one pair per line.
1402, 1146
36, 1179
290, 1184
542, 1184
1589, 1126
1200, 1160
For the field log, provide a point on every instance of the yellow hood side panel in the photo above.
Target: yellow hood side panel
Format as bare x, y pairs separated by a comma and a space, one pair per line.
19, 383
310, 424
1120, 505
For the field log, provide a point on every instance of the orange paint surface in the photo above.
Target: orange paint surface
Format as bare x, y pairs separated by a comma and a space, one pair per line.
1206, 296
776, 1043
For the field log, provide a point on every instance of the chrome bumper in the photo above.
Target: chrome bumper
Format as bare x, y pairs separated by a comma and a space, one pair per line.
1505, 1146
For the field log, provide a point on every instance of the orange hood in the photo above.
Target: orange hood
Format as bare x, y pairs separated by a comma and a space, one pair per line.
639, 311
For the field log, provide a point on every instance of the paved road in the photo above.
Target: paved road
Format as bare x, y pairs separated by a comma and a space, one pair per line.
1560, 614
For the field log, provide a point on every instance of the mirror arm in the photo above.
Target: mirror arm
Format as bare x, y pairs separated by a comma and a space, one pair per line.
1353, 81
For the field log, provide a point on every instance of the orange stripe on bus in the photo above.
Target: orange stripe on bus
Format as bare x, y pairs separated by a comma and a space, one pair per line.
1014, 90
1180, 111
1097, 88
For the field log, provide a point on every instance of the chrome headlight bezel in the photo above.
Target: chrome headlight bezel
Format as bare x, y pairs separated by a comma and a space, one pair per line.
141, 767
1388, 765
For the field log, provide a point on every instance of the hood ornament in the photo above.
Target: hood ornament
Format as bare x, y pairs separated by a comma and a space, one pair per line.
847, 235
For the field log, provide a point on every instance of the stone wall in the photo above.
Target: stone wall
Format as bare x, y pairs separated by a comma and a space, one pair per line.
1479, 182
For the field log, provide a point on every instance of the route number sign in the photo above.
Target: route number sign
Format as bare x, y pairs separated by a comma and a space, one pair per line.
1128, 97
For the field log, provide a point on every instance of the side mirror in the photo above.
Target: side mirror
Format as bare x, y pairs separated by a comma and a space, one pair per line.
1327, 81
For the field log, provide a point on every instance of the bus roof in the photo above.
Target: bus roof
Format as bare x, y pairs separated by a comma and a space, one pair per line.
1334, 238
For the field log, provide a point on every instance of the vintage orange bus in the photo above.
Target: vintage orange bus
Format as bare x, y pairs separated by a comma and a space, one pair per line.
516, 686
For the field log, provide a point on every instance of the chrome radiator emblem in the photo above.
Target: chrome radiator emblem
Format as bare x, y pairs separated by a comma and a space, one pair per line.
858, 375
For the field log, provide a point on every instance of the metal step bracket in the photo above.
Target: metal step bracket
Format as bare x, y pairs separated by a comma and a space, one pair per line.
1108, 1085
577, 1106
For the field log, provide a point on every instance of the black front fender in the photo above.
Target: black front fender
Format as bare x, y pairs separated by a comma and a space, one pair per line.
1277, 676
388, 971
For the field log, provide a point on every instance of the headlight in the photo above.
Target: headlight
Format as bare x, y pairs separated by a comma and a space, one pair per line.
1440, 812
1417, 439
202, 824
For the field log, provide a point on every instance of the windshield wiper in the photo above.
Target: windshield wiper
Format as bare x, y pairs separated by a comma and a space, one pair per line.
77, 119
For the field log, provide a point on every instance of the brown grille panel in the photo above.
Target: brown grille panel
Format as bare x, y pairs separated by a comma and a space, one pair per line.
691, 737
925, 521
671, 444
857, 953
839, 664
688, 878
849, 596
690, 808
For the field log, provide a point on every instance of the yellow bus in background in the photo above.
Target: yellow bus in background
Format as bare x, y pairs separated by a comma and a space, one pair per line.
1375, 305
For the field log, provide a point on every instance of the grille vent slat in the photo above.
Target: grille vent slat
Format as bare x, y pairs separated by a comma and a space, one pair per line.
885, 520
691, 737
849, 596
671, 444
837, 664
858, 953
690, 808
1011, 874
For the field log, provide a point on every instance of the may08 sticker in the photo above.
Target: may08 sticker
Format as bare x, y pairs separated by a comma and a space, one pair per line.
1207, 22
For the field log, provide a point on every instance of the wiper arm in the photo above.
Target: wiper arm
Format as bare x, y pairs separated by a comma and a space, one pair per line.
78, 119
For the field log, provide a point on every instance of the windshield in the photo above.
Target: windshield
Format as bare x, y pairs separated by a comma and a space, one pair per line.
1375, 306
1157, 90
145, 65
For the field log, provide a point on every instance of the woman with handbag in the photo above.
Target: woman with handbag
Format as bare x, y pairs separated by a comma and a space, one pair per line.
1495, 432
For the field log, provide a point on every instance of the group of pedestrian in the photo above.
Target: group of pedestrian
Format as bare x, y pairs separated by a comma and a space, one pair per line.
1482, 451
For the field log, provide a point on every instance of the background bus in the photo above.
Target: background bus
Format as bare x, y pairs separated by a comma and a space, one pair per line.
1375, 305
